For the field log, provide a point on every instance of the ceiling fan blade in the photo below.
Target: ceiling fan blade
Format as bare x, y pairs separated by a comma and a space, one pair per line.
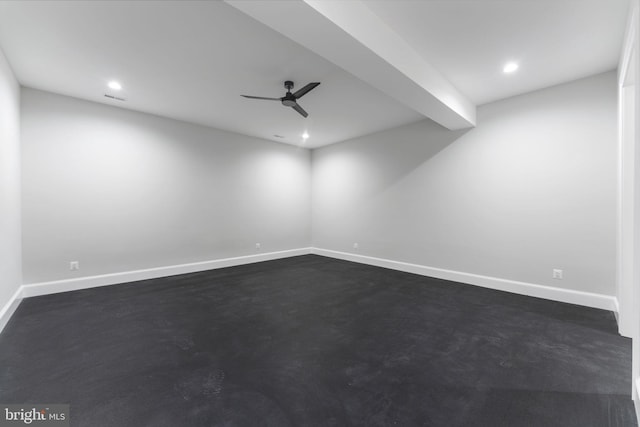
300, 110
261, 97
300, 93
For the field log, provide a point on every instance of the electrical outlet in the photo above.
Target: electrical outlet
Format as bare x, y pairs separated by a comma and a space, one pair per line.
74, 265
557, 274
356, 246
258, 246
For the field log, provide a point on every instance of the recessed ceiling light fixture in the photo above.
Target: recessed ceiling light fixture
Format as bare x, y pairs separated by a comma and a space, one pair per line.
305, 135
510, 67
114, 85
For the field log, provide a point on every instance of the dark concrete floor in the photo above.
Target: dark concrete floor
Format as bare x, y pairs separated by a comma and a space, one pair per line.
311, 341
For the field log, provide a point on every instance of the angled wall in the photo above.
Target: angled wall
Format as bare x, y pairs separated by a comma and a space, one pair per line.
122, 191
532, 188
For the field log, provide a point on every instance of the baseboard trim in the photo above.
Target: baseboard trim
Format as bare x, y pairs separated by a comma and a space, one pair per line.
44, 288
10, 307
588, 299
623, 328
540, 291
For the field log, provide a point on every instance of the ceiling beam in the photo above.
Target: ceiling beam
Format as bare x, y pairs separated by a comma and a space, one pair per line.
351, 36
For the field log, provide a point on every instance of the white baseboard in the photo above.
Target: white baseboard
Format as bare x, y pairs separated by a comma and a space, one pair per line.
624, 328
44, 288
588, 299
10, 308
557, 294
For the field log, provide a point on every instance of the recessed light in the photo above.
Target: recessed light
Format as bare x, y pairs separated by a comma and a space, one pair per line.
305, 135
510, 67
115, 85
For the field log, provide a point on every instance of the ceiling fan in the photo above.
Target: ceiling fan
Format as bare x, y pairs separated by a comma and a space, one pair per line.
289, 99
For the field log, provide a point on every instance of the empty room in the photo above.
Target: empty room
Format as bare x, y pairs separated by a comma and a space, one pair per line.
320, 213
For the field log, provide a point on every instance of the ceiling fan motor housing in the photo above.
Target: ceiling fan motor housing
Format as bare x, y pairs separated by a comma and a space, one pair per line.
288, 100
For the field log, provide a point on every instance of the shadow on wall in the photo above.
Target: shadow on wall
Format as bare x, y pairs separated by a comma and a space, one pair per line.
530, 189
381, 160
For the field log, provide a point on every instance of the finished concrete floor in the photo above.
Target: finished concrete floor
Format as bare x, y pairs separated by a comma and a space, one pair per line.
313, 341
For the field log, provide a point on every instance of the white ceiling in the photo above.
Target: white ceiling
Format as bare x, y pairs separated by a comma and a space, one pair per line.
191, 60
554, 41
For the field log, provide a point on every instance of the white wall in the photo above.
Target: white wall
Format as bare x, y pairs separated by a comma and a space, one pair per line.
531, 188
629, 193
119, 190
10, 252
